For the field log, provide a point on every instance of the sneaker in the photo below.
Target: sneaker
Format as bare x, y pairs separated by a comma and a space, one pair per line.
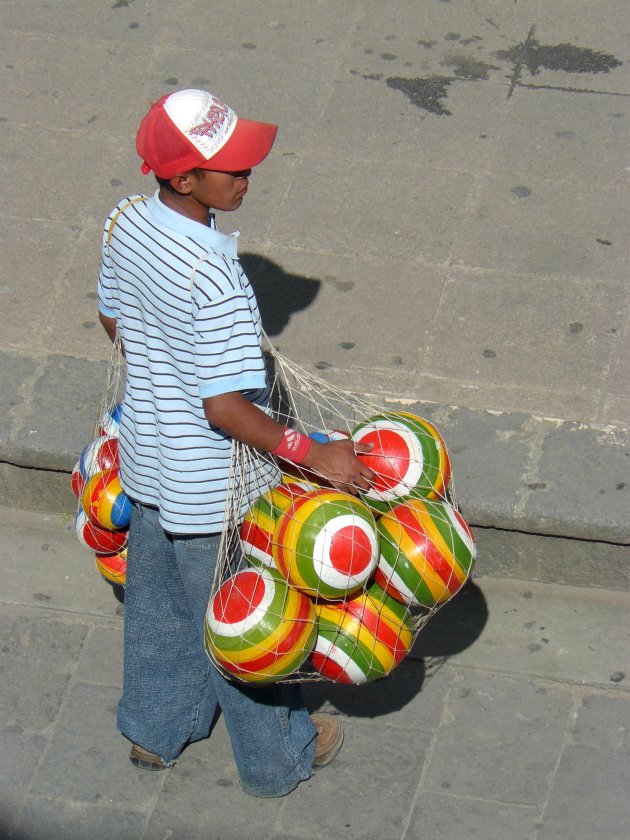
146, 760
329, 739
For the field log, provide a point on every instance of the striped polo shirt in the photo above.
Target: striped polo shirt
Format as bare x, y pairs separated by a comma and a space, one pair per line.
191, 328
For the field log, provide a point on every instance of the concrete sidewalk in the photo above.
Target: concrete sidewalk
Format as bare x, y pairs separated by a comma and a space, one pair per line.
509, 720
441, 224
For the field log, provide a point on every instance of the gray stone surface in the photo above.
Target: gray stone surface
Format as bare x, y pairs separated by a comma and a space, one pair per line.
570, 815
513, 703
441, 225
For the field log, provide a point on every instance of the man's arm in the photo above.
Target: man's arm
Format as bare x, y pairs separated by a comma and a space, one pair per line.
109, 325
242, 420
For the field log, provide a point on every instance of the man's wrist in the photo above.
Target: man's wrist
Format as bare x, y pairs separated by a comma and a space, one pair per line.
293, 447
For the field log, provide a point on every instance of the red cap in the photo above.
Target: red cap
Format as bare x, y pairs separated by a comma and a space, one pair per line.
192, 129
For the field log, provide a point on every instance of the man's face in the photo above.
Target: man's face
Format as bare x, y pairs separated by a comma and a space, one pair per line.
219, 190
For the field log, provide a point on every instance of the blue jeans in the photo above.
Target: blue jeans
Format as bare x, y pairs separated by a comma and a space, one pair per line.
171, 690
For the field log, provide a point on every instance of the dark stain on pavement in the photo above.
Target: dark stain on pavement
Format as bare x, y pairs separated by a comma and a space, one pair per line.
424, 93
521, 191
428, 93
536, 56
604, 241
468, 68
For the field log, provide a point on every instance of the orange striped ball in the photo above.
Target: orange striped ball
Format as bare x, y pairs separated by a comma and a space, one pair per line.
105, 502
426, 552
113, 567
258, 629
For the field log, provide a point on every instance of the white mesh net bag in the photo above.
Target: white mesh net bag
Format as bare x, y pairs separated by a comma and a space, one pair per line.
103, 509
313, 583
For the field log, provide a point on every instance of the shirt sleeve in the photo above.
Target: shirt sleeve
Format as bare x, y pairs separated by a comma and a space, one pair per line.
107, 296
227, 334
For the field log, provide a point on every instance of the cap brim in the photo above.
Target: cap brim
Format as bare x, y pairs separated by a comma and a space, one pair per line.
248, 145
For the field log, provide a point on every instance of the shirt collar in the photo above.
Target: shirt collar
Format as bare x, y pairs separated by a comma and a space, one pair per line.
208, 236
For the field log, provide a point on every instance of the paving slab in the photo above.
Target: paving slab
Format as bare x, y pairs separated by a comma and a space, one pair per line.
457, 818
571, 815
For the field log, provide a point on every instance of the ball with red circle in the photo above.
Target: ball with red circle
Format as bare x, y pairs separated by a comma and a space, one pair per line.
408, 457
325, 544
257, 628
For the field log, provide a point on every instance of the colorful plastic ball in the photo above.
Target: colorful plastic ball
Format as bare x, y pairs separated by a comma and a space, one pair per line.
361, 639
97, 539
426, 552
109, 423
258, 629
113, 567
100, 454
77, 481
105, 502
325, 544
259, 523
409, 458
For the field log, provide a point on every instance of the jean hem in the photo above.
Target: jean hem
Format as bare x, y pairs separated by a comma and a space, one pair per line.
263, 793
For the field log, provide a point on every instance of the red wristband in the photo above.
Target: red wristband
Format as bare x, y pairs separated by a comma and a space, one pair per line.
293, 446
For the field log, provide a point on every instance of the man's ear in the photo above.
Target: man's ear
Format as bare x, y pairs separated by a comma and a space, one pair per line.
181, 184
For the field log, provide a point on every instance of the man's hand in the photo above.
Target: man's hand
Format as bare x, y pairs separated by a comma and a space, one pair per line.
337, 463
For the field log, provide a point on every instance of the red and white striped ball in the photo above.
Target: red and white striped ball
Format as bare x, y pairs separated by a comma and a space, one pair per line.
105, 502
259, 523
426, 552
97, 539
113, 567
361, 639
258, 629
409, 458
77, 481
100, 454
325, 544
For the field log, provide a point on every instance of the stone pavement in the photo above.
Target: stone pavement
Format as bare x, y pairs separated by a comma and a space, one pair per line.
510, 721
441, 224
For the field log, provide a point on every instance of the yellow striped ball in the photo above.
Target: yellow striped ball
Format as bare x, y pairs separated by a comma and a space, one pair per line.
426, 552
105, 502
259, 523
361, 639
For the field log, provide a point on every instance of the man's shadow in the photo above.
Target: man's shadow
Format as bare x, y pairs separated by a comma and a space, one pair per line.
450, 630
279, 294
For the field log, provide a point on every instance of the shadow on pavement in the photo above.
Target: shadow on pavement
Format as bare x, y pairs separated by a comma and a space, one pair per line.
278, 293
451, 630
